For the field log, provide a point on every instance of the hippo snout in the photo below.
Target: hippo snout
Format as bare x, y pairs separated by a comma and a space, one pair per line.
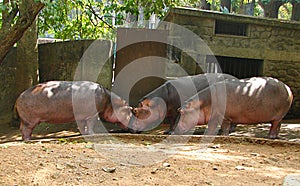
131, 125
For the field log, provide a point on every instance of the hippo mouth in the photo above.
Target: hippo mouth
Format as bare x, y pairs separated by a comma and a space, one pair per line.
130, 125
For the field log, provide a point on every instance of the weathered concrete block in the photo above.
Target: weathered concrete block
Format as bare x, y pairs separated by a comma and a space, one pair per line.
77, 60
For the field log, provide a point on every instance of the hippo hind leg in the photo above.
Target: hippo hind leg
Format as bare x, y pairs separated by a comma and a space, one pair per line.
274, 130
90, 123
87, 126
26, 130
82, 126
226, 128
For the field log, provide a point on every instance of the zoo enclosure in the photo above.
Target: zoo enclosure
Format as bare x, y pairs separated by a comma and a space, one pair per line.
255, 47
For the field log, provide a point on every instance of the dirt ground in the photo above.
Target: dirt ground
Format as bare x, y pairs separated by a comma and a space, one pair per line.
60, 156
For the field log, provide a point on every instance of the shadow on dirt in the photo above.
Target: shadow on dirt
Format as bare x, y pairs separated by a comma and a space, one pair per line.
290, 131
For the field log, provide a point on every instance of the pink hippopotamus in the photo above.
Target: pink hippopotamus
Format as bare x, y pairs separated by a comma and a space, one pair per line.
69, 101
247, 101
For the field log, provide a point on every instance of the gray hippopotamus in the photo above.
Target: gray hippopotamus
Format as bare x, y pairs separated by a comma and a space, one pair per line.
69, 101
164, 101
248, 101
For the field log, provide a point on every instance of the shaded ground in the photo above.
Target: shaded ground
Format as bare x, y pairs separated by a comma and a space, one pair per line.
290, 131
147, 159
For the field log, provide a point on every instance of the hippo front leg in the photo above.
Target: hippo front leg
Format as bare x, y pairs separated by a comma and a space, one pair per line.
172, 121
90, 123
82, 127
26, 130
274, 130
212, 126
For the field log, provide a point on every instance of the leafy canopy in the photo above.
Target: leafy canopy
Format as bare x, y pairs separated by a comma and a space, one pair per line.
91, 19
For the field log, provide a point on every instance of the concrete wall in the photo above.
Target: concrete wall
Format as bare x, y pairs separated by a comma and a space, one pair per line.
275, 42
8, 77
76, 60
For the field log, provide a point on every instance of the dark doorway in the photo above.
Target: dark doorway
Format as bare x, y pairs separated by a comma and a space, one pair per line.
238, 67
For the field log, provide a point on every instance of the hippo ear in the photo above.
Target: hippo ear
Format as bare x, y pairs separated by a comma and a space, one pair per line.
118, 102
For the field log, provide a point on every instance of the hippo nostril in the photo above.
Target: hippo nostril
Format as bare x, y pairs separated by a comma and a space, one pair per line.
134, 111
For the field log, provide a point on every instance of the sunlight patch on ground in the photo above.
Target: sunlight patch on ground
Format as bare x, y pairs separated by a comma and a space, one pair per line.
210, 155
276, 172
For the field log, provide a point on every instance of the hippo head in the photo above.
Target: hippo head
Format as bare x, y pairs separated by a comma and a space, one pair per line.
118, 112
190, 116
148, 114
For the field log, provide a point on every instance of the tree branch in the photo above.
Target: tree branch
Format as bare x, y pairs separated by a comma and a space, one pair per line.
8, 37
101, 18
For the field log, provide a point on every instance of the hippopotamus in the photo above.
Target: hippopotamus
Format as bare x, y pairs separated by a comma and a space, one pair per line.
247, 101
69, 101
163, 102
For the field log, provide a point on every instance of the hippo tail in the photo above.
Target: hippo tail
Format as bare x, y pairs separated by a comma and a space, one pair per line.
15, 119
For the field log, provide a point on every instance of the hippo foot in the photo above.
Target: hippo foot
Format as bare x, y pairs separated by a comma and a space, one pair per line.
168, 132
232, 128
132, 131
26, 139
272, 136
119, 131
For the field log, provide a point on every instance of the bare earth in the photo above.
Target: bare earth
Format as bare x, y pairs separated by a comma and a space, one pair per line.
60, 156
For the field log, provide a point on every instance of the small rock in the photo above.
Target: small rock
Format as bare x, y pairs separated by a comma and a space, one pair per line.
109, 169
59, 167
83, 166
55, 175
255, 154
215, 168
115, 179
239, 167
166, 165
154, 170
274, 159
70, 165
215, 146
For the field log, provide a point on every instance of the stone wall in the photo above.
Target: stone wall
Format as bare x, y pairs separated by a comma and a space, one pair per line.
288, 72
275, 42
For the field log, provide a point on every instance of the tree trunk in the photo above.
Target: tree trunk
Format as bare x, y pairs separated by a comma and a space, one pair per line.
227, 4
271, 9
295, 11
8, 37
27, 54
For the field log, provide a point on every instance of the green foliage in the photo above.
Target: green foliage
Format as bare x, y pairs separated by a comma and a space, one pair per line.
268, 1
91, 19
74, 19
285, 11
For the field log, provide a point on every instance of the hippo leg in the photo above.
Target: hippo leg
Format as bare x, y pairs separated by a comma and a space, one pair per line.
212, 127
172, 127
225, 128
82, 127
26, 130
90, 123
232, 127
274, 130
